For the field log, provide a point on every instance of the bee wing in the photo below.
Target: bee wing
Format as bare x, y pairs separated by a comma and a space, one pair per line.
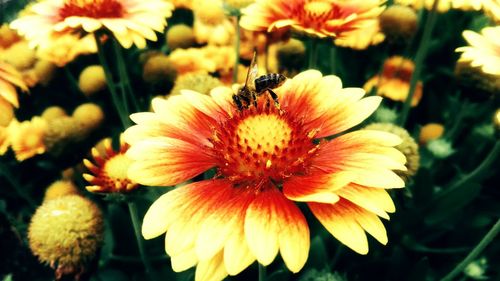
252, 72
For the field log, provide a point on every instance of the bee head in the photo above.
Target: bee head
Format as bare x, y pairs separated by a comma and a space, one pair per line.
281, 80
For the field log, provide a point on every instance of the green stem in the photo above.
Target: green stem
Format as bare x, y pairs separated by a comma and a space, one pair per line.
476, 173
111, 85
73, 82
262, 272
132, 208
419, 61
333, 60
236, 49
124, 79
5, 171
313, 53
487, 239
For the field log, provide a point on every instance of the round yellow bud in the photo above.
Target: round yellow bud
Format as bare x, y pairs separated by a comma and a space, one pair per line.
159, 73
62, 132
59, 189
180, 36
92, 80
408, 147
398, 23
430, 132
53, 112
209, 12
200, 82
89, 115
44, 71
66, 233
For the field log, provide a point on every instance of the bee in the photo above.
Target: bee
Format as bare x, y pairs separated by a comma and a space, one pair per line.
256, 86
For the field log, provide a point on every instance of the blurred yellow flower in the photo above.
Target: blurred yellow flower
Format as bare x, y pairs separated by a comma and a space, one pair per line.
92, 80
180, 36
394, 83
130, 22
108, 170
443, 5
492, 9
211, 25
362, 38
200, 82
59, 189
484, 49
321, 18
27, 138
10, 78
63, 48
430, 131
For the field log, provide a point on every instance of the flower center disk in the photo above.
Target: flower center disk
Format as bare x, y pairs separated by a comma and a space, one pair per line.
261, 144
92, 9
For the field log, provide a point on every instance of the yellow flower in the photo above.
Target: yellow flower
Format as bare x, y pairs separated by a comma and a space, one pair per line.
492, 9
27, 139
130, 22
10, 78
238, 4
321, 18
160, 72
66, 233
53, 112
89, 115
430, 131
484, 49
62, 49
191, 60
443, 5
480, 83
109, 170
394, 83
266, 160
92, 80
363, 37
7, 113
211, 24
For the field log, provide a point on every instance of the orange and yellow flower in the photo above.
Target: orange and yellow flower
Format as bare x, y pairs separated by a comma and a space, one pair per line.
484, 49
266, 160
63, 49
130, 21
321, 18
394, 83
109, 170
211, 25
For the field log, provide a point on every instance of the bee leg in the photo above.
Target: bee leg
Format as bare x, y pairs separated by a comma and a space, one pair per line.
275, 98
254, 97
237, 101
246, 100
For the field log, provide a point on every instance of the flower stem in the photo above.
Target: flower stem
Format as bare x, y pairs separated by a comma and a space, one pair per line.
262, 272
124, 79
236, 48
5, 171
487, 239
313, 53
111, 85
419, 61
476, 173
132, 208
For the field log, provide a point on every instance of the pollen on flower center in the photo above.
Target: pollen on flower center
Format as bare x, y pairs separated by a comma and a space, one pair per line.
262, 144
117, 166
264, 133
91, 9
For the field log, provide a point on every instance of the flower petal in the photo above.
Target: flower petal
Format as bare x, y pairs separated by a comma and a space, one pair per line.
211, 270
237, 255
375, 200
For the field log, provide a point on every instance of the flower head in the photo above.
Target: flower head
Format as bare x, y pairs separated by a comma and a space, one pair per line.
109, 170
484, 49
266, 160
27, 138
92, 80
394, 83
130, 21
10, 78
429, 132
66, 233
59, 189
321, 18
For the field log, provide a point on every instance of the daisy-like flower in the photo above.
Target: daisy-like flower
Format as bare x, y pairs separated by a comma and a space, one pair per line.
394, 83
211, 25
109, 169
484, 49
321, 18
130, 21
63, 49
27, 138
10, 78
267, 159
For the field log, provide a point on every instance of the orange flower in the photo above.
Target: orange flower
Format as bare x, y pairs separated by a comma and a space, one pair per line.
109, 173
321, 18
394, 83
266, 160
130, 21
